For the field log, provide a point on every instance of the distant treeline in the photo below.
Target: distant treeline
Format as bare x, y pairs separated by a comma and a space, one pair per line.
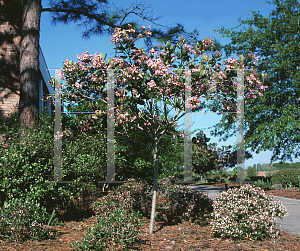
275, 166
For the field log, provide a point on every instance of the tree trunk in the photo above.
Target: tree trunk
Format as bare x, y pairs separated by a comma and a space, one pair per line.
29, 66
154, 196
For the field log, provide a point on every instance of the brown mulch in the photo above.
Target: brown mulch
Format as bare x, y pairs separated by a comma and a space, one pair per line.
166, 236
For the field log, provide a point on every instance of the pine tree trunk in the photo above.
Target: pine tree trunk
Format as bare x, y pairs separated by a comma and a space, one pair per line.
29, 66
154, 196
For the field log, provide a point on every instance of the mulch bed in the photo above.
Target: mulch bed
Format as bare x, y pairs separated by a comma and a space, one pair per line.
166, 236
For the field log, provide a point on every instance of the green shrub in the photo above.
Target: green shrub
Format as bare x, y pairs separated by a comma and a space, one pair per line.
26, 168
22, 219
286, 176
264, 184
218, 176
180, 202
122, 211
140, 191
118, 224
246, 212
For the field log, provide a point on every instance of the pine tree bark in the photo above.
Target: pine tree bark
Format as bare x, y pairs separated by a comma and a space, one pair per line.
154, 196
29, 66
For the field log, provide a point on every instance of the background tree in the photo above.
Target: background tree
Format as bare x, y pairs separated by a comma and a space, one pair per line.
271, 120
251, 172
29, 66
209, 157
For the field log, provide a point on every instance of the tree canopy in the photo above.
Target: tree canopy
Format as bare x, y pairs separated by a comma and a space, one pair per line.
271, 120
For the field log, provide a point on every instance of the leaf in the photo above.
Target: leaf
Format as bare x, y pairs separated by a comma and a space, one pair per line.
140, 102
168, 102
175, 100
101, 55
202, 72
196, 74
179, 71
157, 99
146, 76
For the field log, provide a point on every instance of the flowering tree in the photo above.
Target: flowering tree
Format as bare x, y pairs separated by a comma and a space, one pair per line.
157, 76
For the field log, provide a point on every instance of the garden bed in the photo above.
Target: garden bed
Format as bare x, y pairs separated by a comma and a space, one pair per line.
166, 236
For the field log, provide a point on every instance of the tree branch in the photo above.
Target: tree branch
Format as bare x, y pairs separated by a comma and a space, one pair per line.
80, 12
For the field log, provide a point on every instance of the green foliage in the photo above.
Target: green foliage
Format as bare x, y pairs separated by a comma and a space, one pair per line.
219, 176
286, 176
279, 166
264, 184
271, 120
246, 212
204, 157
140, 191
133, 160
122, 211
23, 219
118, 224
251, 172
180, 202
26, 167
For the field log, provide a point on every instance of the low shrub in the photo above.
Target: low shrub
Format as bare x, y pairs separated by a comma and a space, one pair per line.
246, 212
26, 168
264, 184
21, 220
122, 211
286, 176
180, 202
140, 191
118, 224
174, 202
218, 176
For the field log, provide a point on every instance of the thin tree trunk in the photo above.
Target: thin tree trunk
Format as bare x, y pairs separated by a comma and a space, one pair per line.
154, 196
29, 66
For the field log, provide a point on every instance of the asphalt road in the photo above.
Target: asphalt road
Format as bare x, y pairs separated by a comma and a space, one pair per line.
289, 224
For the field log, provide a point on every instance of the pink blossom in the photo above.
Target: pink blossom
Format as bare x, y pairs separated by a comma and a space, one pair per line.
79, 86
151, 84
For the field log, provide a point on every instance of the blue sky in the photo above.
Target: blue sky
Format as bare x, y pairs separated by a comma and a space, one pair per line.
61, 41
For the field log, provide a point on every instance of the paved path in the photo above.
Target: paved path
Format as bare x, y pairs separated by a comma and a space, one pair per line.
289, 224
